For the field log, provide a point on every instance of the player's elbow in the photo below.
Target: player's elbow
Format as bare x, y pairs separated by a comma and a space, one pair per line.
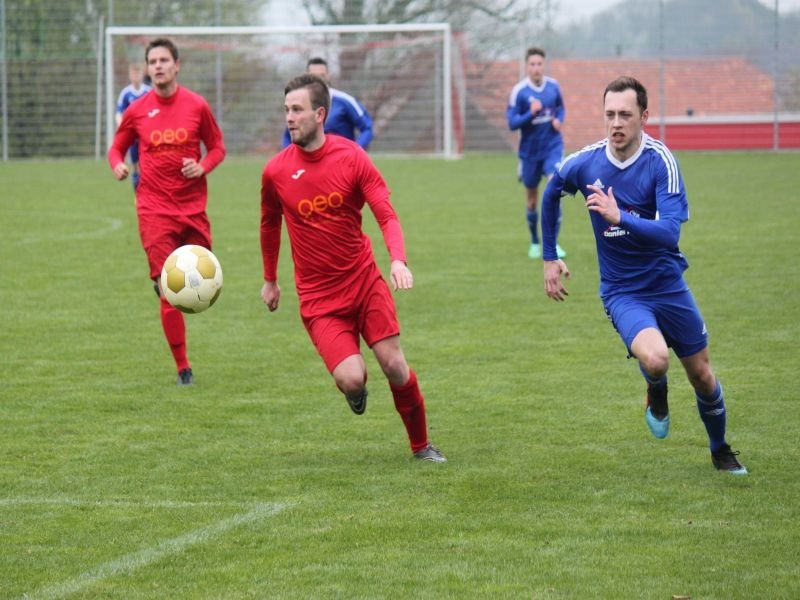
673, 233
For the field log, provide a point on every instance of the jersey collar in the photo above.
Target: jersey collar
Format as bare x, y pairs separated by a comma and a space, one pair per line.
537, 88
624, 165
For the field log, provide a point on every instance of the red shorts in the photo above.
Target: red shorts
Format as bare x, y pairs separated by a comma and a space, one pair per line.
334, 323
161, 234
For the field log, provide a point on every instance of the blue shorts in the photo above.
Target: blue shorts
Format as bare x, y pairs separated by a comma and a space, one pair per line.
675, 315
532, 169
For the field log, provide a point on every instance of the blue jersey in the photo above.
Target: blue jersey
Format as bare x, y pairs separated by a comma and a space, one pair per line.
537, 136
347, 116
128, 95
641, 253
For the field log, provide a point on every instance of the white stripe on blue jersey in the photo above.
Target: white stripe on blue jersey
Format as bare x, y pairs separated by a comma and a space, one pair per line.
512, 97
349, 99
673, 186
588, 148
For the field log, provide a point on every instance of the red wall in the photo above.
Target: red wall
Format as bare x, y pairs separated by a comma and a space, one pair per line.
727, 136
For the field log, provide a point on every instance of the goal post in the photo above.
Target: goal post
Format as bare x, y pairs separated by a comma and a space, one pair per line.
403, 74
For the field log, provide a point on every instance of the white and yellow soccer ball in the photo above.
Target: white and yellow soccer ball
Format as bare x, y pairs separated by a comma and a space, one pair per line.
191, 279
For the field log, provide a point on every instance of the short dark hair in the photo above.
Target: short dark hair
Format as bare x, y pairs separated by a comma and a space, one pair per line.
316, 60
162, 43
317, 90
620, 84
535, 50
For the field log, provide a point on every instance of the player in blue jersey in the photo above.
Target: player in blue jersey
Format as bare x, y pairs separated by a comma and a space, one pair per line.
347, 118
637, 202
135, 90
536, 108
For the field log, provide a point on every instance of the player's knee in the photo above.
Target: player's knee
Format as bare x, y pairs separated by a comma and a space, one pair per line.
351, 383
395, 368
703, 379
655, 362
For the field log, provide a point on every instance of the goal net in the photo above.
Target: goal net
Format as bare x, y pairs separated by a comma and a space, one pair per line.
403, 74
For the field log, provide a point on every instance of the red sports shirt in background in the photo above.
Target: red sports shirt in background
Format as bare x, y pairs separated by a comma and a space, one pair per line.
169, 130
321, 194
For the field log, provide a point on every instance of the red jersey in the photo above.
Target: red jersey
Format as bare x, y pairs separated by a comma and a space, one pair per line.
321, 195
169, 130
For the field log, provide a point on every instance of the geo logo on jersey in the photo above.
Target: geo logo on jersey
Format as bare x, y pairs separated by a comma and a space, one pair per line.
168, 136
319, 204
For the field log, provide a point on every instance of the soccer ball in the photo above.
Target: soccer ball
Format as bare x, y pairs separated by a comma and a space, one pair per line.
191, 279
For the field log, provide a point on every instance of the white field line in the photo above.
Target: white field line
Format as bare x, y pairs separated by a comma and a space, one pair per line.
110, 225
145, 503
146, 556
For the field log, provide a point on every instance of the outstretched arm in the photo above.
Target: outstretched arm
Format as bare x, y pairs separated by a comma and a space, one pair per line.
123, 139
211, 135
551, 212
561, 112
376, 194
270, 230
553, 266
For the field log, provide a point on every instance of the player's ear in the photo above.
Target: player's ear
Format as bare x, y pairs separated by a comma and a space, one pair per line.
645, 116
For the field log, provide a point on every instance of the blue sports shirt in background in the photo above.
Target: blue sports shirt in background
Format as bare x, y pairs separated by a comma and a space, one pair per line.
640, 254
537, 136
128, 95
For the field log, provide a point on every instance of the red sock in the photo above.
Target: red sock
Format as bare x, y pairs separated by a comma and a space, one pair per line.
410, 404
175, 332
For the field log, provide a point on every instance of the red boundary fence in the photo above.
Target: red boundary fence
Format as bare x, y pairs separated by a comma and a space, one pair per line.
720, 135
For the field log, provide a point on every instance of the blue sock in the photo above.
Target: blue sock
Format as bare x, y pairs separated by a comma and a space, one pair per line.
656, 383
533, 217
712, 413
135, 180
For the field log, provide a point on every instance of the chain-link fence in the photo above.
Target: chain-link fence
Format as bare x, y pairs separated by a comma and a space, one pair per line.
721, 73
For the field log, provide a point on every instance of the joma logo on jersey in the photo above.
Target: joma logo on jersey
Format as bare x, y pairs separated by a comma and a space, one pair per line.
168, 136
319, 204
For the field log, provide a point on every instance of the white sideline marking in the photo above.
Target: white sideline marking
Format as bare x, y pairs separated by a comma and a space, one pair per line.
111, 224
136, 560
65, 501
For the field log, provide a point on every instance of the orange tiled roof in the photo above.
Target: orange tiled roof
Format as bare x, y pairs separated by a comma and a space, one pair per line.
708, 86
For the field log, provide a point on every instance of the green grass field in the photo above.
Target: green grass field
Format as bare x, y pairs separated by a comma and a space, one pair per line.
259, 482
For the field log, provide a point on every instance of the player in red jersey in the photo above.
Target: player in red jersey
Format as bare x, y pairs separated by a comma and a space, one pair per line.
169, 123
319, 184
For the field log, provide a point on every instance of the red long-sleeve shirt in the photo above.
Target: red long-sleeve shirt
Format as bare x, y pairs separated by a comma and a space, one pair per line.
169, 130
321, 195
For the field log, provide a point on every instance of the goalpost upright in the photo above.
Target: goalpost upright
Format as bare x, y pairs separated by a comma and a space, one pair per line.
443, 146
